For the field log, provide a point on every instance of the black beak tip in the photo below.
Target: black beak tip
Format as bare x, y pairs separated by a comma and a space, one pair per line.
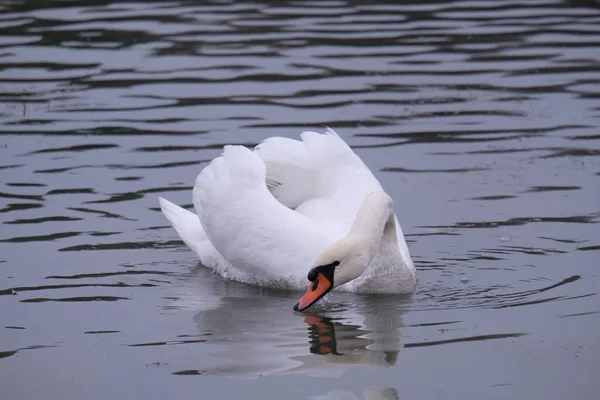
296, 307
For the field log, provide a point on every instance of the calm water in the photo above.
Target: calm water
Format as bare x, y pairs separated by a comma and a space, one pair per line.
481, 119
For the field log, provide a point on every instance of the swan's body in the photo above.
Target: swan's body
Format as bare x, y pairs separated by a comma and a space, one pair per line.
268, 216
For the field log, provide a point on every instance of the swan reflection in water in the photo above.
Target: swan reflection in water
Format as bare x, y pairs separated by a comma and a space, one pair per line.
372, 393
252, 332
353, 347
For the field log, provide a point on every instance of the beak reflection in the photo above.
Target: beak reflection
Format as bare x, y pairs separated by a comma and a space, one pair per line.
321, 335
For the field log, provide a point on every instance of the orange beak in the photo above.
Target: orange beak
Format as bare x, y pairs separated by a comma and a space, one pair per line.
317, 289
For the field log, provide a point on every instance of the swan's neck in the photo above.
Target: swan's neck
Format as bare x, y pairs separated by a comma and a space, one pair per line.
372, 236
375, 226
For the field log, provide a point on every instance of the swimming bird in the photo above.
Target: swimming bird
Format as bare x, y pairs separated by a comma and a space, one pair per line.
289, 210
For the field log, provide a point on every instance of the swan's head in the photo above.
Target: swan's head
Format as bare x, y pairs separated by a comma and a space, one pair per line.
340, 263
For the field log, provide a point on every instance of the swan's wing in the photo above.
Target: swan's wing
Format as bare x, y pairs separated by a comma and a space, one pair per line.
248, 226
319, 176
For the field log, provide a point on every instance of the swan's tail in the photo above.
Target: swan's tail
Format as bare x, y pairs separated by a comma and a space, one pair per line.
190, 230
188, 226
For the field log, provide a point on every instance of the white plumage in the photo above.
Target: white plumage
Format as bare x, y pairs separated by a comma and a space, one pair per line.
265, 216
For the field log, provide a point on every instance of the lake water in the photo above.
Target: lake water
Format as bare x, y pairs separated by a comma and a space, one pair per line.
481, 119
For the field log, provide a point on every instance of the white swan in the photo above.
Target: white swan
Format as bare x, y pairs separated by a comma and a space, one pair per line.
290, 208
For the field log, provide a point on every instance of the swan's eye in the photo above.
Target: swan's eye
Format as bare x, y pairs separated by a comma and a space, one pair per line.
326, 270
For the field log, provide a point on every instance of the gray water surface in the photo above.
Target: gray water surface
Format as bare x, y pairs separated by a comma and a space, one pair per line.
481, 119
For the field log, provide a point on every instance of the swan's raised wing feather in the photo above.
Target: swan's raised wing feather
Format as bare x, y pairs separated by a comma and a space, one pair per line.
319, 176
248, 226
297, 169
289, 175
